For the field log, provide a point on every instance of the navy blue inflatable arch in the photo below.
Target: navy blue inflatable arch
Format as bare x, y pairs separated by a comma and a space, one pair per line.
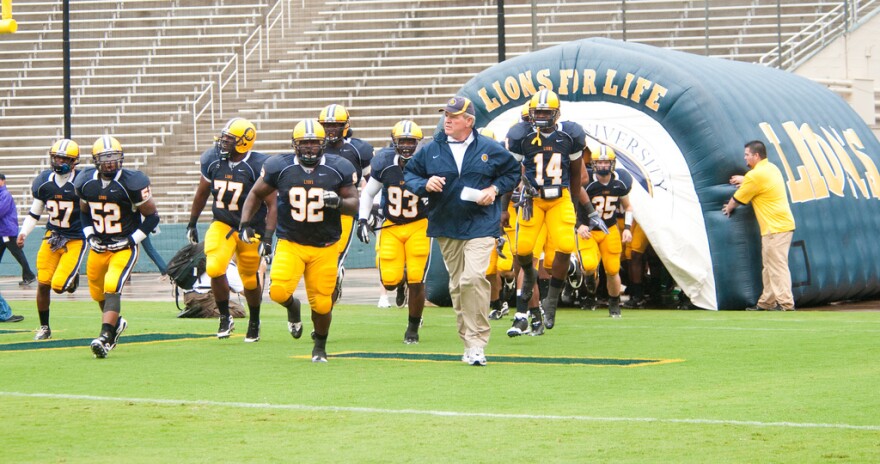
679, 122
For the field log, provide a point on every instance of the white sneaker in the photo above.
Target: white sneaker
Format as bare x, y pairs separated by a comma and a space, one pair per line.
383, 302
478, 358
466, 357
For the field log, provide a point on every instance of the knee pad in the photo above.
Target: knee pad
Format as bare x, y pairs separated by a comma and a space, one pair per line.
215, 268
279, 294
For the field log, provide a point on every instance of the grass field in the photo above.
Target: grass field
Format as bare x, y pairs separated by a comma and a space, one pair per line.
724, 387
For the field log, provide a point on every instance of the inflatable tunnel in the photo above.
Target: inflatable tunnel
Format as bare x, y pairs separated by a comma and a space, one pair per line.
679, 122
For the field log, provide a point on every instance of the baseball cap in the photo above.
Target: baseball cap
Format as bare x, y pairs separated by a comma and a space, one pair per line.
459, 105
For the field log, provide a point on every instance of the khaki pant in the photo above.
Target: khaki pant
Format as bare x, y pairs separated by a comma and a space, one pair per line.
203, 305
467, 261
776, 275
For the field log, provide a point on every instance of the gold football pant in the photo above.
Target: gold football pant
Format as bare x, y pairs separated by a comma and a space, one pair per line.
318, 265
108, 271
404, 246
219, 251
604, 246
60, 267
557, 215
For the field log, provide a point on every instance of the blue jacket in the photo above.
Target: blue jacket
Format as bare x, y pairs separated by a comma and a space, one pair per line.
8, 214
485, 163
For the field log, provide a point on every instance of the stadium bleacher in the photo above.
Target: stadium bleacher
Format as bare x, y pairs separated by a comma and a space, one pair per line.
162, 76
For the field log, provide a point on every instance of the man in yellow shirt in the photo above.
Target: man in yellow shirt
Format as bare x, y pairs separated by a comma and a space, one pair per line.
764, 187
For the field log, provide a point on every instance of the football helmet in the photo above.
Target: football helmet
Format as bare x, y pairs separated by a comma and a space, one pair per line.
107, 154
405, 138
63, 156
486, 132
308, 142
544, 109
603, 160
336, 122
524, 112
238, 135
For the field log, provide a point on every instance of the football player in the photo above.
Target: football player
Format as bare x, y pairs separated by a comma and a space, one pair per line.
607, 189
404, 248
229, 170
112, 202
62, 250
316, 190
337, 126
550, 152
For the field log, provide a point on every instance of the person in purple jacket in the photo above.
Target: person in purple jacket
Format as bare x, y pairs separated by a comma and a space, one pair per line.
9, 234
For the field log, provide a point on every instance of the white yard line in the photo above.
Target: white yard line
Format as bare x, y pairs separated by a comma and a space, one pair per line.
417, 412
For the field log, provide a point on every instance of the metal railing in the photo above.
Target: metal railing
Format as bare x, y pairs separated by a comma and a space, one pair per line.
198, 111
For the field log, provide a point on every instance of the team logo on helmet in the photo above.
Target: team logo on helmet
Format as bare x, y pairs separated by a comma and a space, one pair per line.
238, 135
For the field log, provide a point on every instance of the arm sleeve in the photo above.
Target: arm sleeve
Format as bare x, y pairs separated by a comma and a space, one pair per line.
370, 190
746, 191
508, 173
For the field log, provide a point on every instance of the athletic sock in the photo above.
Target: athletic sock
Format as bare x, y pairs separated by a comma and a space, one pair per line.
254, 313
223, 307
44, 317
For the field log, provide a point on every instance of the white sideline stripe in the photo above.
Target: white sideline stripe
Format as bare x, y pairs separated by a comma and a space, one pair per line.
303, 407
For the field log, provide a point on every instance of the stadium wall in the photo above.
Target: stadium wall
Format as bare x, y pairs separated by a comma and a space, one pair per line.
679, 122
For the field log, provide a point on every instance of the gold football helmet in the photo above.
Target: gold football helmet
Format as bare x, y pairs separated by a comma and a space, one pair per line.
603, 160
544, 109
405, 138
64, 156
336, 122
308, 142
107, 154
238, 135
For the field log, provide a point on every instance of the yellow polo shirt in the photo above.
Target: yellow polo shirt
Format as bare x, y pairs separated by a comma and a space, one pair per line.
764, 187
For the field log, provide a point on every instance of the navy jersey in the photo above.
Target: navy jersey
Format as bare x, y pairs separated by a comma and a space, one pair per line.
399, 205
606, 197
547, 163
358, 152
114, 203
302, 217
230, 185
62, 203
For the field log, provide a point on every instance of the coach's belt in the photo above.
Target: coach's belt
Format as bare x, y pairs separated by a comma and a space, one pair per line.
551, 192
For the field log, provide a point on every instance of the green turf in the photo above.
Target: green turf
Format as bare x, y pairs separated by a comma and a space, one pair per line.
730, 387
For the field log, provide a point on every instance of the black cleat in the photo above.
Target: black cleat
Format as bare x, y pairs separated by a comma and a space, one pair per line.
337, 290
530, 276
614, 307
253, 332
100, 347
537, 327
635, 303
73, 284
295, 329
121, 325
294, 320
520, 326
549, 313
402, 294
498, 314
227, 326
411, 336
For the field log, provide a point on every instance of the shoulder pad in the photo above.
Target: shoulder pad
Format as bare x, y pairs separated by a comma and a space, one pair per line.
134, 180
208, 156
